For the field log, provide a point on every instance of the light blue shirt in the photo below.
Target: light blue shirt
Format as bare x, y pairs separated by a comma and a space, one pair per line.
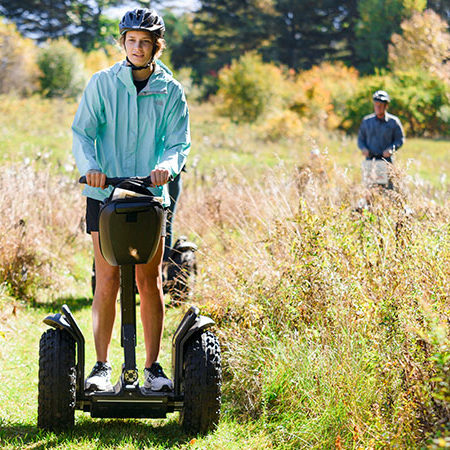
124, 134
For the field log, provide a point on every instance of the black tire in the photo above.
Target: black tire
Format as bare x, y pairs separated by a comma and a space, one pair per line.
57, 381
201, 384
181, 273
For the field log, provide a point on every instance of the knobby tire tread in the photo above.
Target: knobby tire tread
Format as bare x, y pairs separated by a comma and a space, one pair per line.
202, 383
57, 380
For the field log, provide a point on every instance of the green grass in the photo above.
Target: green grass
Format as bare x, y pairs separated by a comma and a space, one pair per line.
19, 386
36, 129
220, 145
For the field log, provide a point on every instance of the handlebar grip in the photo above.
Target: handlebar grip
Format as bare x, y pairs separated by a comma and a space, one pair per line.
114, 181
109, 181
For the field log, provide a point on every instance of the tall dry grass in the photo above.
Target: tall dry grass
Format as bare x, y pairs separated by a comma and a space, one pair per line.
41, 218
333, 318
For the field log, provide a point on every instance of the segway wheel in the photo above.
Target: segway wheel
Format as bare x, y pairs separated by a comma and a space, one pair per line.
57, 380
202, 383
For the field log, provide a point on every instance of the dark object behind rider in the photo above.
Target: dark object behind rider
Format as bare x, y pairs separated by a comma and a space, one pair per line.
380, 134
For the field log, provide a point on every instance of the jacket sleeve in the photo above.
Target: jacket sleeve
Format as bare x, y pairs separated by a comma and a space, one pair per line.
89, 117
399, 135
177, 139
362, 137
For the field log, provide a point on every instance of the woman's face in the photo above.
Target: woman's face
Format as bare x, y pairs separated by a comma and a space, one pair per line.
139, 47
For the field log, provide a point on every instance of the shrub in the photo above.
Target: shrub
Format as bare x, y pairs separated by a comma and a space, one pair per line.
62, 69
102, 58
18, 69
424, 43
333, 323
321, 93
285, 124
249, 88
418, 98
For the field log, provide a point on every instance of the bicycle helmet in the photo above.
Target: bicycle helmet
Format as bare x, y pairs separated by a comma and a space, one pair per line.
381, 96
142, 19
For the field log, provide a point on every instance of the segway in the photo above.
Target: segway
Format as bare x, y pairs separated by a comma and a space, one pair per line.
129, 231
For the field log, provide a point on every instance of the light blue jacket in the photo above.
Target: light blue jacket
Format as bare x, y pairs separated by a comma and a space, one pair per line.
123, 134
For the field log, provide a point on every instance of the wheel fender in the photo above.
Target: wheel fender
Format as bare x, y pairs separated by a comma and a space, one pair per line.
202, 323
66, 321
59, 321
198, 323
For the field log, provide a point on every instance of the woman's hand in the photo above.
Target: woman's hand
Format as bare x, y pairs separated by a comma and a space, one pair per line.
159, 176
95, 178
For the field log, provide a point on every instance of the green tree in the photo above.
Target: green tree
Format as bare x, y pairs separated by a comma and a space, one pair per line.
79, 21
248, 88
418, 98
378, 20
18, 69
223, 30
311, 31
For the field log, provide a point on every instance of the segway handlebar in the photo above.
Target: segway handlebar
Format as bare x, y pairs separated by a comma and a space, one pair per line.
117, 180
114, 181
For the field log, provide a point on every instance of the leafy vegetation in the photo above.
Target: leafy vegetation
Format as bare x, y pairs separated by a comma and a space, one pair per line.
416, 47
331, 96
60, 63
333, 319
419, 99
249, 88
18, 70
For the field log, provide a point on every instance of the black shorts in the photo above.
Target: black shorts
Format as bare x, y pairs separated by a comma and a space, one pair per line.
92, 213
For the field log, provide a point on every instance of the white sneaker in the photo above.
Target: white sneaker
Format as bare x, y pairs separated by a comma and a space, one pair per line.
100, 378
156, 379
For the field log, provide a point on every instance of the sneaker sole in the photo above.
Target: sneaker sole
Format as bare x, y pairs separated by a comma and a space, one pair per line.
94, 388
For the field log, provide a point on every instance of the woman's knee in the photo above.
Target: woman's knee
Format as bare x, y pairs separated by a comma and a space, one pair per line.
148, 281
107, 280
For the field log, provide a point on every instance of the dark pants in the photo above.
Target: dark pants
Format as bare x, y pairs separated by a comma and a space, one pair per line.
175, 187
389, 159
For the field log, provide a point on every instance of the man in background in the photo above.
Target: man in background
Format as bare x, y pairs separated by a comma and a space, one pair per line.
380, 134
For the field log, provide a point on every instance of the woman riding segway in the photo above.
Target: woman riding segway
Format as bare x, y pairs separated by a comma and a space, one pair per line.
132, 121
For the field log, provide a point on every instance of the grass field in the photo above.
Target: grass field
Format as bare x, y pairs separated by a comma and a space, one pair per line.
333, 321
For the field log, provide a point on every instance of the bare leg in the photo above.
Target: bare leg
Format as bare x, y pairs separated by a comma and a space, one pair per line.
104, 303
149, 281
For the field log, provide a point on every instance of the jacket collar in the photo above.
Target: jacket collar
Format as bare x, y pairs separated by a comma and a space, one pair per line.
384, 119
157, 83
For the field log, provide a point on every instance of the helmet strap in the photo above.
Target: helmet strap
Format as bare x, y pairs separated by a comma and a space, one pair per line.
133, 67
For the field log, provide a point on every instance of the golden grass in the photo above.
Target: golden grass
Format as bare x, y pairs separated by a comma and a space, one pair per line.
333, 318
41, 220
